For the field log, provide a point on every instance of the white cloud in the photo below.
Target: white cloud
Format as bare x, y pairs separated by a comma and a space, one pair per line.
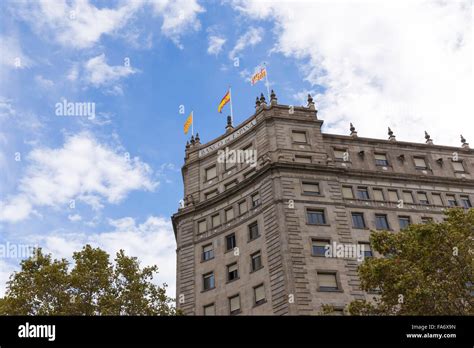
12, 54
152, 242
252, 37
404, 64
74, 218
215, 44
77, 24
43, 82
82, 169
6, 268
80, 24
73, 73
178, 16
99, 74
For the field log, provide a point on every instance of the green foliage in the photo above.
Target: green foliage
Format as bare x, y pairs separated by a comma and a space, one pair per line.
93, 287
425, 269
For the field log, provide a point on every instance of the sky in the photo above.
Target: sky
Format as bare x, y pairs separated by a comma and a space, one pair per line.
111, 176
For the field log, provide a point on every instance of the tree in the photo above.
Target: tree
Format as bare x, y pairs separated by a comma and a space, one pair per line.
425, 269
94, 286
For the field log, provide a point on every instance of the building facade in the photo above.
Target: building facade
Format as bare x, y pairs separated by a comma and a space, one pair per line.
263, 201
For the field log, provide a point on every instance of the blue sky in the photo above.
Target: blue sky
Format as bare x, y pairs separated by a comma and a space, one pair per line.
360, 62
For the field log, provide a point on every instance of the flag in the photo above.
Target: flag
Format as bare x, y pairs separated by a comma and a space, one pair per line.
259, 75
188, 123
224, 101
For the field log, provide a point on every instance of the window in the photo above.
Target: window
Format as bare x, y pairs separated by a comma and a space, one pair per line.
299, 137
341, 155
253, 231
367, 249
211, 194
392, 195
316, 217
327, 281
229, 214
451, 199
230, 184
426, 220
362, 193
230, 160
216, 220
358, 220
249, 173
457, 166
259, 293
319, 247
242, 207
407, 197
465, 202
211, 172
381, 159
378, 194
210, 309
310, 188
303, 159
234, 304
404, 221
381, 222
422, 198
347, 192
436, 199
202, 226
207, 252
247, 148
256, 260
208, 281
420, 162
232, 272
255, 200
230, 242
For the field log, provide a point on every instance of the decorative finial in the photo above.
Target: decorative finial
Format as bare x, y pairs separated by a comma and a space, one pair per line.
310, 103
198, 140
187, 144
229, 127
390, 135
428, 138
257, 103
192, 139
273, 98
353, 130
465, 145
262, 99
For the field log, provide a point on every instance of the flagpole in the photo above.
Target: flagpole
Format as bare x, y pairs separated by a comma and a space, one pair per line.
231, 112
266, 80
192, 122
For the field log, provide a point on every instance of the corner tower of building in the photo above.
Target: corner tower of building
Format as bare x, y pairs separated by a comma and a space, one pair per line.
263, 200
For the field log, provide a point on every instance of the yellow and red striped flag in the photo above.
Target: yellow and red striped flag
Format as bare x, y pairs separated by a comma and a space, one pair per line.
188, 123
259, 75
224, 101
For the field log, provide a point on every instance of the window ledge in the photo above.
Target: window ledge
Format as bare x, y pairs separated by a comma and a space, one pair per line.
330, 290
251, 240
260, 303
206, 290
256, 270
233, 280
212, 258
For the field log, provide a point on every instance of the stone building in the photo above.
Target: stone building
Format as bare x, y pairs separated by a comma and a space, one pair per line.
253, 229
